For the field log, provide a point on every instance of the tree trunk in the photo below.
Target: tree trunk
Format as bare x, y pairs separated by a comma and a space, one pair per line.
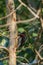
13, 32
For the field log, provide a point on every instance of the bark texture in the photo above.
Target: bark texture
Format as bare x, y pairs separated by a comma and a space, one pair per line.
13, 32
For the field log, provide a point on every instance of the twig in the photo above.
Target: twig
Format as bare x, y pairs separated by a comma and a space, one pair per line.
11, 13
22, 49
38, 54
4, 58
1, 47
41, 46
33, 8
24, 21
41, 20
23, 58
19, 61
29, 9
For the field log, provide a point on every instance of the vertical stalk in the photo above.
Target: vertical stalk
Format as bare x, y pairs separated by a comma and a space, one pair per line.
13, 32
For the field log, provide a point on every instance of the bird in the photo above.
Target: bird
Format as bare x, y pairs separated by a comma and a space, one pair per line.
22, 39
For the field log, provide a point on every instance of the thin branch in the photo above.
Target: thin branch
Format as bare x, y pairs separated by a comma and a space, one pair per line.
1, 47
4, 58
38, 54
33, 8
40, 50
41, 46
17, 9
24, 21
28, 9
5, 25
19, 61
11, 13
23, 58
41, 20
22, 49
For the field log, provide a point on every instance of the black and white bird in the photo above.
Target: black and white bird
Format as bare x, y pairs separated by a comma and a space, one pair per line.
22, 39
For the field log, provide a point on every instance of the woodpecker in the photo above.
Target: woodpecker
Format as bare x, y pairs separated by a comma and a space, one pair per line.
21, 40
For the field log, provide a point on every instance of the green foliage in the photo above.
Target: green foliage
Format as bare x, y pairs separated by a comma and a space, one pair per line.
31, 30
